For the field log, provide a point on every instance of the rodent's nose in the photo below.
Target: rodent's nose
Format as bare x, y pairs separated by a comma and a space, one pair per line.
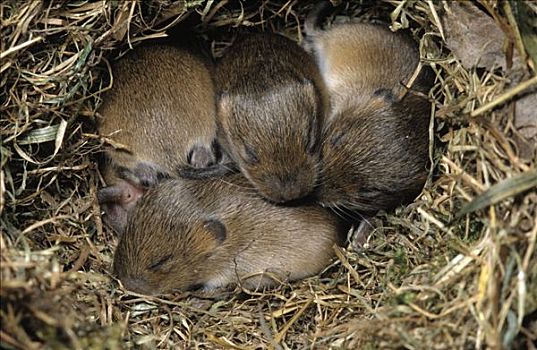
137, 285
289, 190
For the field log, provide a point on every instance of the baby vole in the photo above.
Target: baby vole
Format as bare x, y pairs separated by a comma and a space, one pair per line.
270, 111
189, 234
161, 110
375, 139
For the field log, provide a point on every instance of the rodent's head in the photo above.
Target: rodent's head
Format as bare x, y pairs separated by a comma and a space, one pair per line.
345, 154
166, 247
274, 137
371, 161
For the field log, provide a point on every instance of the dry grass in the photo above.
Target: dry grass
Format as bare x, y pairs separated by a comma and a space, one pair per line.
426, 279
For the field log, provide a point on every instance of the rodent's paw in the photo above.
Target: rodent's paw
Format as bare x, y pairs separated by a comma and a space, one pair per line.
117, 201
143, 174
210, 172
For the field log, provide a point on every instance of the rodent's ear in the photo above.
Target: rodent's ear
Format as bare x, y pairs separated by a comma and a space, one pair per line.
386, 94
307, 82
311, 86
216, 228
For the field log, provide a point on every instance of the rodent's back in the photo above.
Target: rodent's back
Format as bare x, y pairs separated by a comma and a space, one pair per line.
161, 103
358, 59
290, 242
260, 60
161, 113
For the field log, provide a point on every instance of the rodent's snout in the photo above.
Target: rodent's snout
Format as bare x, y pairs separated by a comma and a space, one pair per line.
137, 285
285, 190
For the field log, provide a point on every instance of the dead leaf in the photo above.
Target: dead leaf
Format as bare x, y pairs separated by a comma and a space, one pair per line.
121, 24
526, 115
473, 36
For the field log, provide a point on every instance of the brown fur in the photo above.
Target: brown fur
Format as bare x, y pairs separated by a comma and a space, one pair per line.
187, 234
272, 104
375, 140
162, 108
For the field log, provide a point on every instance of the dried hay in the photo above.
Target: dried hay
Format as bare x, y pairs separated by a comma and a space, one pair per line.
426, 278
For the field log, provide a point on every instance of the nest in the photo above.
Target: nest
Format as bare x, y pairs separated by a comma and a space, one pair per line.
455, 269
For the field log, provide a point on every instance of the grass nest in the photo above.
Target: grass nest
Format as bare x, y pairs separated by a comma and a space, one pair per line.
455, 269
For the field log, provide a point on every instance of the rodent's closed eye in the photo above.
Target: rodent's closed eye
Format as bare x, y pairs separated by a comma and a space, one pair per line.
195, 287
251, 157
312, 137
337, 139
159, 263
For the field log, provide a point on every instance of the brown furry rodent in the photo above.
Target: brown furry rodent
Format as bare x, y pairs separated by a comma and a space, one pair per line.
162, 108
204, 234
375, 140
271, 108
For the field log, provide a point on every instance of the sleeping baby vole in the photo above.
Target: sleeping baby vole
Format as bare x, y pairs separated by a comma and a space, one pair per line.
375, 139
161, 109
189, 234
270, 110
